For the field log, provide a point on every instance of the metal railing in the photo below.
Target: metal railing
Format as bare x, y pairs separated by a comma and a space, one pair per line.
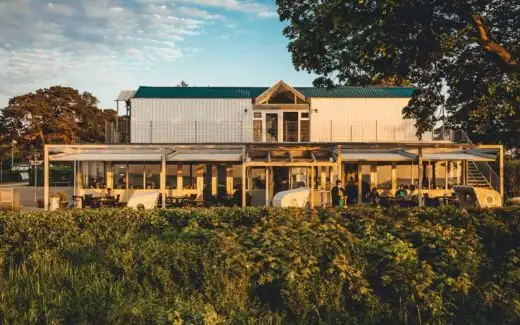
485, 169
244, 132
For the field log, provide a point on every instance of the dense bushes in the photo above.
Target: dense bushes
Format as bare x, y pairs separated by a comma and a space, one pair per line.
9, 176
259, 266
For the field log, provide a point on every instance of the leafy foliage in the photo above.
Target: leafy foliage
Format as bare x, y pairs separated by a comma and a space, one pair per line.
460, 54
54, 115
261, 266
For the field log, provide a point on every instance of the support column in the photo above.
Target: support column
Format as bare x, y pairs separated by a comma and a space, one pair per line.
46, 178
267, 186
244, 187
311, 203
109, 175
229, 180
412, 179
163, 180
464, 164
180, 180
420, 176
373, 175
501, 175
79, 179
340, 166
214, 180
200, 180
394, 178
323, 178
360, 183
446, 170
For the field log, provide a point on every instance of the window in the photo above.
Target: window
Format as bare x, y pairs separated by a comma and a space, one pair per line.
171, 176
119, 176
257, 131
94, 175
305, 115
135, 176
258, 178
305, 134
189, 176
258, 115
152, 176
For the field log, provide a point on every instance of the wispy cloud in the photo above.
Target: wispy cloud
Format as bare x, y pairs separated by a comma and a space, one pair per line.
101, 41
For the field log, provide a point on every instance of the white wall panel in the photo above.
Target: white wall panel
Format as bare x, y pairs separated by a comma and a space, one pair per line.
361, 120
191, 120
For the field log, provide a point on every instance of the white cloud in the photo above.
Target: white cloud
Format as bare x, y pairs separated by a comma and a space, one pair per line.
59, 9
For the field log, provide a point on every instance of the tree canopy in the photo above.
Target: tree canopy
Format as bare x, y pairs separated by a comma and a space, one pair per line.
463, 55
54, 115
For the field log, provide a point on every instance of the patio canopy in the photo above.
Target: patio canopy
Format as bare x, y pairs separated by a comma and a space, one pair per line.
377, 155
207, 156
458, 156
107, 156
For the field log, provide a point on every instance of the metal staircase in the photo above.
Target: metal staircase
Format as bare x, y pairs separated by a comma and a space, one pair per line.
480, 174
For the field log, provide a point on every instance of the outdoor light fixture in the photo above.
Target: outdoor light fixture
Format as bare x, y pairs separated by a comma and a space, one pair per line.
245, 111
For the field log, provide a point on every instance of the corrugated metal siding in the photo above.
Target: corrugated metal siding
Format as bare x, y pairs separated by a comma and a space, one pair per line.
191, 120
360, 120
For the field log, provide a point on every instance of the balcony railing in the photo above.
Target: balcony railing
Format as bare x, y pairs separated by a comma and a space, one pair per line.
253, 131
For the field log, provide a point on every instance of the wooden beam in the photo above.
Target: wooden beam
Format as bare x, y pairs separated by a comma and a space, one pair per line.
281, 107
163, 179
420, 176
313, 157
46, 178
360, 183
394, 178
311, 203
267, 186
269, 156
214, 180
289, 164
244, 188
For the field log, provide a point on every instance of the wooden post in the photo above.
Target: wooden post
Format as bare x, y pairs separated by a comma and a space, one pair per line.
109, 175
446, 169
323, 178
200, 180
229, 180
244, 188
373, 175
180, 180
46, 178
360, 183
501, 175
79, 179
214, 180
340, 165
394, 178
267, 186
412, 180
312, 188
420, 176
163, 180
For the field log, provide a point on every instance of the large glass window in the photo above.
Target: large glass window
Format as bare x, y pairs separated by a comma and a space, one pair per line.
258, 178
153, 176
119, 176
171, 176
94, 175
189, 176
257, 130
384, 176
299, 177
135, 176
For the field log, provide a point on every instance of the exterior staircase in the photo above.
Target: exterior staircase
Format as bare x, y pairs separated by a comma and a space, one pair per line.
476, 178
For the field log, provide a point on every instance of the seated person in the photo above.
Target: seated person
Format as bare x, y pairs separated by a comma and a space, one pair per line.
374, 196
110, 194
337, 194
414, 193
401, 193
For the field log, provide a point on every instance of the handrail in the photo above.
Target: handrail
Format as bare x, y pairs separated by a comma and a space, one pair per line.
493, 174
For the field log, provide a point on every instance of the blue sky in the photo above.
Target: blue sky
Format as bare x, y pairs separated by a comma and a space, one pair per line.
104, 46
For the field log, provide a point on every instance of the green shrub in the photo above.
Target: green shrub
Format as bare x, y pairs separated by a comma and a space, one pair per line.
261, 266
9, 176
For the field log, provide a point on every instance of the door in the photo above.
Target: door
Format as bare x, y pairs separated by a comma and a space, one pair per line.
271, 127
290, 126
280, 179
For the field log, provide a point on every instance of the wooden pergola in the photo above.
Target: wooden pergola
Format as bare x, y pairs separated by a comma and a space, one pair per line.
269, 155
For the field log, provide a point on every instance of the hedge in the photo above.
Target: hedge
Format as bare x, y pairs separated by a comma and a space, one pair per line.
261, 266
9, 176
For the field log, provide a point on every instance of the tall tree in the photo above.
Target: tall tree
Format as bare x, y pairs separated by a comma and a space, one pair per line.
463, 55
54, 115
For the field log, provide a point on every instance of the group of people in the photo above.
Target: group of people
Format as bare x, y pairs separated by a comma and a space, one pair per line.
341, 196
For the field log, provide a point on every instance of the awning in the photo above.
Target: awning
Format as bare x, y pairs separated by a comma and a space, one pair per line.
360, 155
458, 156
102, 157
207, 156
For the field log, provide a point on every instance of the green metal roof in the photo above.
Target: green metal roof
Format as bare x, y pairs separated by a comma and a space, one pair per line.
253, 92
